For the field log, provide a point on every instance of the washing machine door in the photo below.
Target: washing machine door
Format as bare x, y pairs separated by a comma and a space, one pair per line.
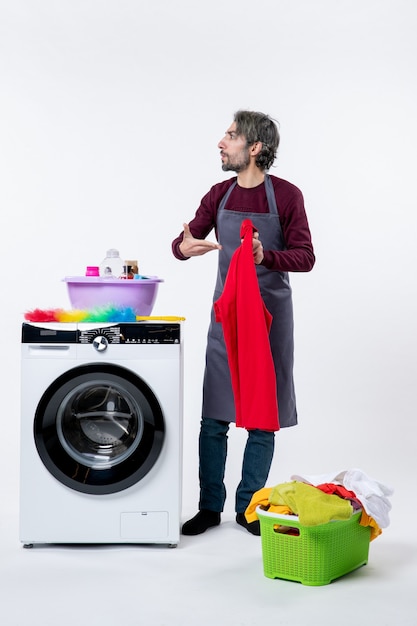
99, 428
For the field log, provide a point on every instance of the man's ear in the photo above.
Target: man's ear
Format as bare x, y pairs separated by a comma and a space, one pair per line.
255, 148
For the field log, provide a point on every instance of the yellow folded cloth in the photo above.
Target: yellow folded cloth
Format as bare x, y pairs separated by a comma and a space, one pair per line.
367, 520
261, 498
312, 505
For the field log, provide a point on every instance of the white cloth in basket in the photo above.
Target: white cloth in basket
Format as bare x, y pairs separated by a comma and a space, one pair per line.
372, 494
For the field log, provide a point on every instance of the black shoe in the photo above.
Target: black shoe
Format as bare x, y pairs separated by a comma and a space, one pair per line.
201, 522
251, 527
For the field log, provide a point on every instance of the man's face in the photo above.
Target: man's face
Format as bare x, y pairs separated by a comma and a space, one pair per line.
233, 151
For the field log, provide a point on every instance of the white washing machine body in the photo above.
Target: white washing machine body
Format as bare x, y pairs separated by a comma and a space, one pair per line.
101, 433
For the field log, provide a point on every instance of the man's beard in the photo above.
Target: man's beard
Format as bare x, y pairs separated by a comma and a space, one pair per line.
240, 163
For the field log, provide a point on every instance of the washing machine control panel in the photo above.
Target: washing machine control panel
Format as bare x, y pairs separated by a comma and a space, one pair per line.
102, 336
137, 333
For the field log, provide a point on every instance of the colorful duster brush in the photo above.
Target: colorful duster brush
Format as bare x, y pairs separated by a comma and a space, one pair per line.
99, 314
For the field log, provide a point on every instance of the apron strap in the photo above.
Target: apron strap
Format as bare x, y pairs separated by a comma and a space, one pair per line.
270, 195
226, 196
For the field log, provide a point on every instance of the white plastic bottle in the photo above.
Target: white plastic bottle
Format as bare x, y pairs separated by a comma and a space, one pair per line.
112, 265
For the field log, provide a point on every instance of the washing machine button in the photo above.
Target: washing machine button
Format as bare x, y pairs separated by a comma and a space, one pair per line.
100, 343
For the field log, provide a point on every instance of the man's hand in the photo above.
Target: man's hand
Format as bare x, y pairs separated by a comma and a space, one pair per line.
195, 247
258, 250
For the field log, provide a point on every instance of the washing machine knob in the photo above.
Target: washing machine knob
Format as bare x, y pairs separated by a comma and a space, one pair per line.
100, 343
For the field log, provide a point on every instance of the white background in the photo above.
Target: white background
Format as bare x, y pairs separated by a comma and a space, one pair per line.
110, 114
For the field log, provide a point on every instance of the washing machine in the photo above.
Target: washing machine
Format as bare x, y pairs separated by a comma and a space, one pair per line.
101, 433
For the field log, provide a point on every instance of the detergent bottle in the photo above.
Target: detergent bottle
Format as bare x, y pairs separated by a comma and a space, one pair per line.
127, 273
112, 265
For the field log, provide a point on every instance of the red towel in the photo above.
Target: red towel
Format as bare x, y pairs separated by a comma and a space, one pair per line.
246, 324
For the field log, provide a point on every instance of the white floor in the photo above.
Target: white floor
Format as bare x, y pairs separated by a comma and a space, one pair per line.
216, 578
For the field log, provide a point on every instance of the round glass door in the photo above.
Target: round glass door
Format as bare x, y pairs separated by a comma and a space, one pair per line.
99, 428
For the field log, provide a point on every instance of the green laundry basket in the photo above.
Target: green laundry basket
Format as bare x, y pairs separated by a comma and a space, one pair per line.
312, 555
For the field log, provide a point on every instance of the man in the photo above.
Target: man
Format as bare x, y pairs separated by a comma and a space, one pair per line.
282, 244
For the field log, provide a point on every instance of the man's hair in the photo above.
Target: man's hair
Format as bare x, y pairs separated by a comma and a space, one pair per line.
255, 127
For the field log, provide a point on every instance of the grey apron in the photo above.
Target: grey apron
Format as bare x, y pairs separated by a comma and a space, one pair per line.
218, 402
